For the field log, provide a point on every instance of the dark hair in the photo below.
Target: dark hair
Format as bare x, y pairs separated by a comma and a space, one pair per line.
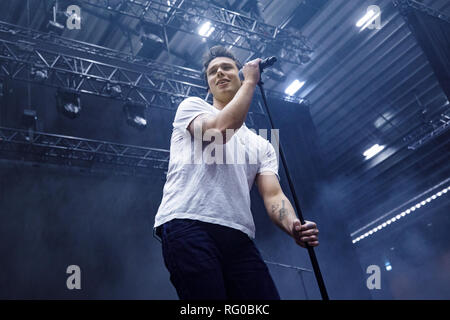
215, 52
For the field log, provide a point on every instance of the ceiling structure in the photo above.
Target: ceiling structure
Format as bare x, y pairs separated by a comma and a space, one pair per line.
364, 87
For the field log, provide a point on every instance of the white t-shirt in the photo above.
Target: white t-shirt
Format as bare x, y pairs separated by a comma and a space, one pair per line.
217, 192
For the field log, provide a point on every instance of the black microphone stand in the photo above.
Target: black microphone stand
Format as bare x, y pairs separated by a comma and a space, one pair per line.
312, 255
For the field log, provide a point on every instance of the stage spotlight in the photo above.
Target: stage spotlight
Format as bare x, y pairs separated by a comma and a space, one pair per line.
294, 87
113, 90
68, 103
372, 151
55, 27
388, 266
29, 119
275, 74
206, 29
151, 40
135, 113
39, 74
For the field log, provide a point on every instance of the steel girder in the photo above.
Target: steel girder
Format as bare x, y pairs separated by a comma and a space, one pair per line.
231, 28
19, 60
18, 144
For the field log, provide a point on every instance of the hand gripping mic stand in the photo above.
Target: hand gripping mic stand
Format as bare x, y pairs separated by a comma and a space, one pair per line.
323, 291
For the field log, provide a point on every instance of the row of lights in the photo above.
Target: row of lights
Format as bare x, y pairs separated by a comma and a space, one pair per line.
373, 12
68, 103
401, 215
206, 29
372, 151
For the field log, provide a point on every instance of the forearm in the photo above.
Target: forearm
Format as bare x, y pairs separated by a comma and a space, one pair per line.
235, 112
281, 212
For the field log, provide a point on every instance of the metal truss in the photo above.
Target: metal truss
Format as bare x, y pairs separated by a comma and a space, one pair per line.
26, 62
17, 144
285, 97
231, 28
60, 62
427, 133
49, 40
441, 123
405, 6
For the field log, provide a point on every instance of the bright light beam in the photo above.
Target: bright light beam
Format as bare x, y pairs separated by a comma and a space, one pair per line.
369, 153
294, 87
369, 14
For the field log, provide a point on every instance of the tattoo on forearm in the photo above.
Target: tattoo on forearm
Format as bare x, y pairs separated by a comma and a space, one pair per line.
282, 212
274, 208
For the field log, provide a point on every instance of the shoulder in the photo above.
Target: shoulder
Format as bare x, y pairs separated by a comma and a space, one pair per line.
192, 104
194, 101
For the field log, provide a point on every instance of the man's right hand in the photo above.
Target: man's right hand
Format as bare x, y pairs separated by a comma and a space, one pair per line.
251, 72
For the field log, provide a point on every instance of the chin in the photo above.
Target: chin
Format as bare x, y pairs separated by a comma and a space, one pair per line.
227, 95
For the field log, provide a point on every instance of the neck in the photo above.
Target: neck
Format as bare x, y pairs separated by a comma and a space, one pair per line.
218, 104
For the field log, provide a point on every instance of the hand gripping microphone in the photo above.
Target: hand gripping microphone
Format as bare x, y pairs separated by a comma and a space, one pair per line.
267, 62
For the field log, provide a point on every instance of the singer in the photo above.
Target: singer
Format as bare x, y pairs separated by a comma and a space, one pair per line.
204, 219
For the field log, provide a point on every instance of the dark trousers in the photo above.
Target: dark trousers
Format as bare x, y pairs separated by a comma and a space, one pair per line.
209, 261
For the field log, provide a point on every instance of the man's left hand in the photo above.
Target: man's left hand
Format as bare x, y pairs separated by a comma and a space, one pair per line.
305, 234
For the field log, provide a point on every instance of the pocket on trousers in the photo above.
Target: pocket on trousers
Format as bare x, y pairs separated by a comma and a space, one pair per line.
178, 227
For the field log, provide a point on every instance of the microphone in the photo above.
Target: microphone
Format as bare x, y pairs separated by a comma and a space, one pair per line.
267, 62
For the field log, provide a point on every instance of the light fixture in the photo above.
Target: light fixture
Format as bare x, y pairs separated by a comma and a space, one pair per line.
275, 74
113, 90
388, 266
53, 26
402, 214
170, 4
206, 29
135, 114
294, 87
372, 151
68, 103
369, 14
150, 39
29, 119
39, 74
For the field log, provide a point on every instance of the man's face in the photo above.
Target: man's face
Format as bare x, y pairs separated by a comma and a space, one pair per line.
223, 78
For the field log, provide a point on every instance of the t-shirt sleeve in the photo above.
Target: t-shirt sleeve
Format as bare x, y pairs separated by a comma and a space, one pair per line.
269, 161
188, 110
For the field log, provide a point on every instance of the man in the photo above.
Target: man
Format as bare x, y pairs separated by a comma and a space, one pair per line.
204, 219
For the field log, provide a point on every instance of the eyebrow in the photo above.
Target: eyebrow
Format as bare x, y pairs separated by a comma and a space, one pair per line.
220, 64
